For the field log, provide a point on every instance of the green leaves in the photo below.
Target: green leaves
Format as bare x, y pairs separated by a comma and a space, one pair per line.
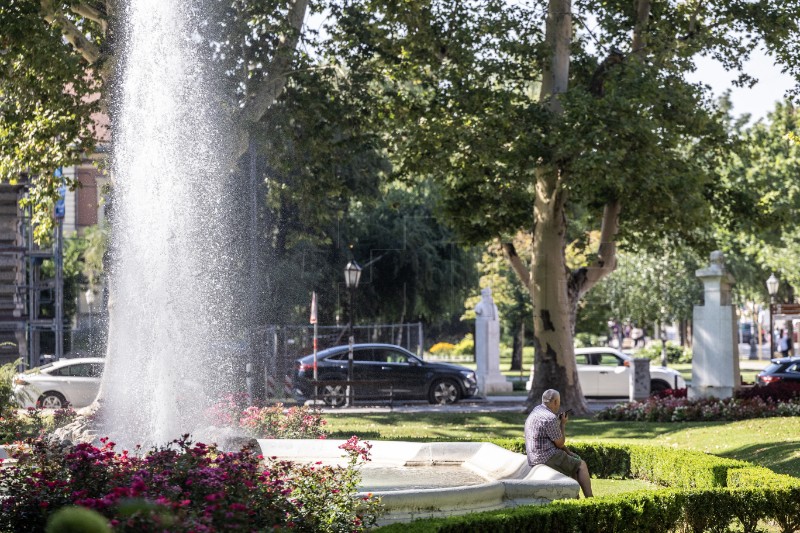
45, 120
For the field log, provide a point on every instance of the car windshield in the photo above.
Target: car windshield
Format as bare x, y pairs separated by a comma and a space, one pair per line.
772, 368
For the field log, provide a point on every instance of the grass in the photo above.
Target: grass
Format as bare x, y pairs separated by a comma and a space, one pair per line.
609, 487
770, 442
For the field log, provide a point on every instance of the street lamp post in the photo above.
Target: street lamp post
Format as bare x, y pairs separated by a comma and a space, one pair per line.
352, 275
772, 289
753, 335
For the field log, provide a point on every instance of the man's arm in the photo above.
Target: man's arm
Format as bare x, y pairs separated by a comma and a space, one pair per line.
560, 442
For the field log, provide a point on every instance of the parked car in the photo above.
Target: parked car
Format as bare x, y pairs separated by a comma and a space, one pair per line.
382, 369
780, 369
67, 382
605, 372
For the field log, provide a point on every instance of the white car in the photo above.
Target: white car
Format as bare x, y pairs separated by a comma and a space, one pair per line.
605, 372
67, 382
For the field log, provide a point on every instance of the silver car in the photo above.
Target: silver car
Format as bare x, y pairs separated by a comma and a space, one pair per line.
605, 372
68, 382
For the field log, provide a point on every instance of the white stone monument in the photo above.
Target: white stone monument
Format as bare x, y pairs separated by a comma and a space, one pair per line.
487, 347
715, 357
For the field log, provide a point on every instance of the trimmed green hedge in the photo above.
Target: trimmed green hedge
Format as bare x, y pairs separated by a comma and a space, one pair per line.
703, 493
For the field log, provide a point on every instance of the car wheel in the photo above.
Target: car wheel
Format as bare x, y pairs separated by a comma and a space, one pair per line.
658, 386
52, 400
334, 395
444, 392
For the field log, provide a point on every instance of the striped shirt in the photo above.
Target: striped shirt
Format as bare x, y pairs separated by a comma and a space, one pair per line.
542, 427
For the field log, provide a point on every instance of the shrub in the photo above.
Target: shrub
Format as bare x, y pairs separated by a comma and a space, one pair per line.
672, 393
706, 493
465, 346
77, 520
584, 340
271, 422
780, 391
675, 353
442, 348
12, 427
33, 423
276, 423
183, 487
8, 402
673, 409
62, 417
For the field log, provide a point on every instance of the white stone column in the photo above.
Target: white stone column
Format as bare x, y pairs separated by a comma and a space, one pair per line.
715, 351
487, 347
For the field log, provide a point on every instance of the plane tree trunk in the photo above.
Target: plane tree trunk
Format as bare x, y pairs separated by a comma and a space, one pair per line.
555, 290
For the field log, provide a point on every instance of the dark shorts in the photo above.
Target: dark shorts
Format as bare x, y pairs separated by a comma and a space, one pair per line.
564, 463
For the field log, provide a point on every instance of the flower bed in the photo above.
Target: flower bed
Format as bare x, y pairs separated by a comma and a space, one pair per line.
673, 406
32, 423
183, 486
270, 422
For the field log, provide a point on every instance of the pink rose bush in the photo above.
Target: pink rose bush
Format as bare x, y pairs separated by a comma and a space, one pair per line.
32, 423
757, 402
183, 487
270, 422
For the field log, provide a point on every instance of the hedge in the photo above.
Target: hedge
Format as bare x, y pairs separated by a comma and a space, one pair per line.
702, 493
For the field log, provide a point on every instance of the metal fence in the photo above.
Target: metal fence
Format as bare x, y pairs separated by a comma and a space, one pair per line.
280, 346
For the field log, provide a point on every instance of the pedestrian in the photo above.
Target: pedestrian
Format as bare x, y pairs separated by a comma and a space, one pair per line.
545, 441
784, 343
637, 334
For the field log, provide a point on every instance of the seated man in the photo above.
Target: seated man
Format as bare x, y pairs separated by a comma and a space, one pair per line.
545, 438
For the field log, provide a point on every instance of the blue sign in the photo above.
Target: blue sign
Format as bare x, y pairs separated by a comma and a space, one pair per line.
60, 208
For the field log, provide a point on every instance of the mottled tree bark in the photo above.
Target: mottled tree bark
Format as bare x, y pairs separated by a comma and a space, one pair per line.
555, 291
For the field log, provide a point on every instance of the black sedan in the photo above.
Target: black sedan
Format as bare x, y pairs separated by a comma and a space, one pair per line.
780, 369
382, 371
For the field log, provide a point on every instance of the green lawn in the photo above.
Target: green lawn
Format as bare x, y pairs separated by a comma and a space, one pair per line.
770, 442
609, 487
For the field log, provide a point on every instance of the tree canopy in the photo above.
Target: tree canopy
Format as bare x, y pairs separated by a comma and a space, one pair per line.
528, 114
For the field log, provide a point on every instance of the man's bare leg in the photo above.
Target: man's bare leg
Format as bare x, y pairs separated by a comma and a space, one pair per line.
585, 480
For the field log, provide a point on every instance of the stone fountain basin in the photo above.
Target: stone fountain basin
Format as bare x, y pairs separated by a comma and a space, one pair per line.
420, 480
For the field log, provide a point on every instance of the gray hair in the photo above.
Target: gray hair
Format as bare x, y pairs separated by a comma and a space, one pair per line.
549, 395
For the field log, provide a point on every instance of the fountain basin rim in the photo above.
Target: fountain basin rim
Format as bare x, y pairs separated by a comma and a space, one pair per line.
510, 481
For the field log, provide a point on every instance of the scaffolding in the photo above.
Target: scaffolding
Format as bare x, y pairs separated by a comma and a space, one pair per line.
22, 288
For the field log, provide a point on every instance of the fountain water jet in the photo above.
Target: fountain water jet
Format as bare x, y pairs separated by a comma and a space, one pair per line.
171, 280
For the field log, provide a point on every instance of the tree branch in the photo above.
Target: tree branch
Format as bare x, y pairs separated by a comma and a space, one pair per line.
88, 12
89, 50
606, 261
276, 74
558, 38
522, 272
277, 70
642, 16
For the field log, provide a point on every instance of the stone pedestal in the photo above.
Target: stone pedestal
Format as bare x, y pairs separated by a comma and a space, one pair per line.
487, 347
639, 379
715, 357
